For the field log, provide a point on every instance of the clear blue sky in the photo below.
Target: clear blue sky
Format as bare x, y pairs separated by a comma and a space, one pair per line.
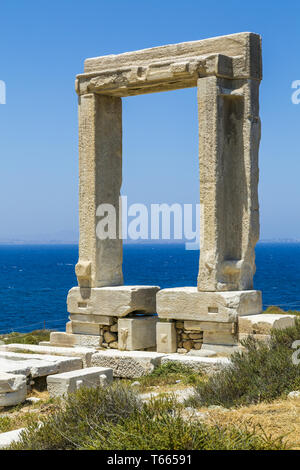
43, 46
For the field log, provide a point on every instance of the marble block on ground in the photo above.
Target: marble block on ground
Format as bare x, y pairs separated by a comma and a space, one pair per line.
13, 389
207, 365
7, 438
61, 384
78, 352
127, 364
37, 365
11, 382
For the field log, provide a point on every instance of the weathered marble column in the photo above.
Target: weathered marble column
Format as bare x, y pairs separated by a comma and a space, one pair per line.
229, 135
100, 178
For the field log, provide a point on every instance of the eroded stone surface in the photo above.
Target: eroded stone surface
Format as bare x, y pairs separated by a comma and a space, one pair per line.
187, 303
113, 301
83, 328
61, 384
100, 179
60, 339
220, 337
221, 349
37, 365
172, 66
166, 337
209, 326
208, 365
263, 324
227, 73
137, 333
13, 389
127, 364
11, 382
229, 136
79, 352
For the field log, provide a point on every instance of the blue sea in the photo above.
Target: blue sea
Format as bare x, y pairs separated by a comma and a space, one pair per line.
34, 280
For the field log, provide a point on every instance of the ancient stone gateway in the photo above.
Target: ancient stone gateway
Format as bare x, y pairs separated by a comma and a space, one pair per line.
227, 72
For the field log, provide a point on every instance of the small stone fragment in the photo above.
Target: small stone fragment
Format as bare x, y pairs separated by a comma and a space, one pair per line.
294, 395
196, 336
135, 384
110, 337
188, 345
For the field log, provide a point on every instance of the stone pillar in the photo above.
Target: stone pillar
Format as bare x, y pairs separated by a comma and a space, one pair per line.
229, 135
100, 179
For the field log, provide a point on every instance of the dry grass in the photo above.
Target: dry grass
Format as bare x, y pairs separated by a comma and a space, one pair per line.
22, 415
42, 394
279, 418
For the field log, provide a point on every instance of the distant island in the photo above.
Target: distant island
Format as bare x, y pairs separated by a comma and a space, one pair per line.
20, 241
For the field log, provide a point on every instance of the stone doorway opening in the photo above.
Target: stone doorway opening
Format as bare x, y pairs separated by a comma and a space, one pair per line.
160, 159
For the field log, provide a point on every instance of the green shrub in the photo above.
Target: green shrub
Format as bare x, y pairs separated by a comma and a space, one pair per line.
274, 309
262, 373
113, 419
5, 423
170, 368
169, 373
34, 337
166, 431
74, 421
